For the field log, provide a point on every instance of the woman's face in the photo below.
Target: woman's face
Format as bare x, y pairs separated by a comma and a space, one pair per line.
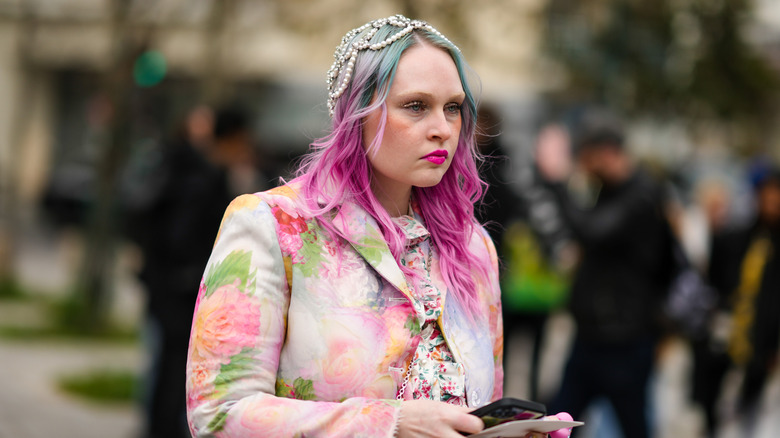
423, 124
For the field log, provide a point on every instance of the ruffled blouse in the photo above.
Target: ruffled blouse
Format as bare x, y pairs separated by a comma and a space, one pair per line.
434, 375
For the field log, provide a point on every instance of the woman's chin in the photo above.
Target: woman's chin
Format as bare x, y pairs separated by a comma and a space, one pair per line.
429, 180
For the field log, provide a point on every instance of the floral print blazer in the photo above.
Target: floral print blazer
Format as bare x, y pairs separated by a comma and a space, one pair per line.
298, 334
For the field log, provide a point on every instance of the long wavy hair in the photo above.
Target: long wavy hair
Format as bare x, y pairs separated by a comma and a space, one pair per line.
337, 168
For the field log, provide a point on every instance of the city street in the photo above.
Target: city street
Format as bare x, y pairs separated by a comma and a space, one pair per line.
31, 405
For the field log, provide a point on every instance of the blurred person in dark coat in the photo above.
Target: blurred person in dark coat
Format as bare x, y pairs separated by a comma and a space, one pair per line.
525, 309
744, 268
173, 218
621, 278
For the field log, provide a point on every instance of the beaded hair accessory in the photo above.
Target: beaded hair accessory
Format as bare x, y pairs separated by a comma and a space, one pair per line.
346, 53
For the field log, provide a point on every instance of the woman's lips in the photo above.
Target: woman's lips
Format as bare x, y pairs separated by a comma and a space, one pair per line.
438, 156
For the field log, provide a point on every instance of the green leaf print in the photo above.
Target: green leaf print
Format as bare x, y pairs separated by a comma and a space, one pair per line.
412, 325
283, 389
301, 389
304, 390
311, 252
372, 249
240, 365
235, 266
218, 422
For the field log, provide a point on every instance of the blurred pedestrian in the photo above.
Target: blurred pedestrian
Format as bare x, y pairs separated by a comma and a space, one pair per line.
173, 216
233, 151
703, 218
744, 268
527, 283
620, 281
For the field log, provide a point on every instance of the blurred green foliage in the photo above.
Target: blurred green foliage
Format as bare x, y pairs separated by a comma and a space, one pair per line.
66, 317
118, 386
11, 290
666, 57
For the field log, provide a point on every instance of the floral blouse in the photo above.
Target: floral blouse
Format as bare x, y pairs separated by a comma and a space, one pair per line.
434, 374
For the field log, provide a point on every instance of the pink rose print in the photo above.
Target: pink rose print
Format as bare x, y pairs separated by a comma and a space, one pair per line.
226, 322
352, 340
375, 419
271, 416
344, 370
201, 381
397, 333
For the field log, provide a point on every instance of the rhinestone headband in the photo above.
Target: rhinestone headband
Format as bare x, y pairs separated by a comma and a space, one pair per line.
346, 53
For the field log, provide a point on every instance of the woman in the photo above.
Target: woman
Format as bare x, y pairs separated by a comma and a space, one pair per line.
361, 298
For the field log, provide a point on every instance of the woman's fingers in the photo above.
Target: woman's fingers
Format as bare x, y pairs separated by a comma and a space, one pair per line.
462, 421
425, 418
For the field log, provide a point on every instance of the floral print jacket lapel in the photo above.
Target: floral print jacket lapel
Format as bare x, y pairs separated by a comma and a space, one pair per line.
365, 237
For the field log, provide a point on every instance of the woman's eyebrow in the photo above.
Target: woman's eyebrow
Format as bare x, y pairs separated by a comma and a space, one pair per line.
410, 94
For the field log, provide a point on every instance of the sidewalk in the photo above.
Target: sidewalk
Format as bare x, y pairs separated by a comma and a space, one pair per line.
31, 406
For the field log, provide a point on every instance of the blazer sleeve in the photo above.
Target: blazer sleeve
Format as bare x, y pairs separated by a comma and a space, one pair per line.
237, 335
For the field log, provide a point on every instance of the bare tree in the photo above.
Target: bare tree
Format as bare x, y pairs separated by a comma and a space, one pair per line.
94, 285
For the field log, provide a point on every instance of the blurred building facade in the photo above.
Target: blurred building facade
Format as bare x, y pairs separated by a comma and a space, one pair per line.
57, 58
64, 64
86, 83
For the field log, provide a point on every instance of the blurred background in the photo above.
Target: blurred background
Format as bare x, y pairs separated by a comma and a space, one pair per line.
99, 97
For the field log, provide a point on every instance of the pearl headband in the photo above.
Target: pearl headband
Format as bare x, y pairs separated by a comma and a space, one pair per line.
346, 53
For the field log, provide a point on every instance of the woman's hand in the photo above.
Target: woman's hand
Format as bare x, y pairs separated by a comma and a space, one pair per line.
427, 418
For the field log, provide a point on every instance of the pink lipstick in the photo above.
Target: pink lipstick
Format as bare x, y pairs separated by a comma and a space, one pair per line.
438, 156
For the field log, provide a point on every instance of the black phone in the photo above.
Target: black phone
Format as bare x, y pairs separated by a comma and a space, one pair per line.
509, 409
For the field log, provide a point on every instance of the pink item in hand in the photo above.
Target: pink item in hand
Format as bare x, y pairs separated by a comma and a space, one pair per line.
562, 433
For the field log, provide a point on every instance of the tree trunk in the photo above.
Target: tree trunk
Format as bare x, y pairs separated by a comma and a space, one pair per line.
94, 288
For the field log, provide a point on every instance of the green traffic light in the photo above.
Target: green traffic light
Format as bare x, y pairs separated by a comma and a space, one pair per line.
150, 68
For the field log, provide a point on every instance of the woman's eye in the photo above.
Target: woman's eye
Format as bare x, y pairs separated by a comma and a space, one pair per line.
453, 108
414, 106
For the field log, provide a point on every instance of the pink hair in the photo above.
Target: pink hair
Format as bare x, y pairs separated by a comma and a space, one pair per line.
337, 170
